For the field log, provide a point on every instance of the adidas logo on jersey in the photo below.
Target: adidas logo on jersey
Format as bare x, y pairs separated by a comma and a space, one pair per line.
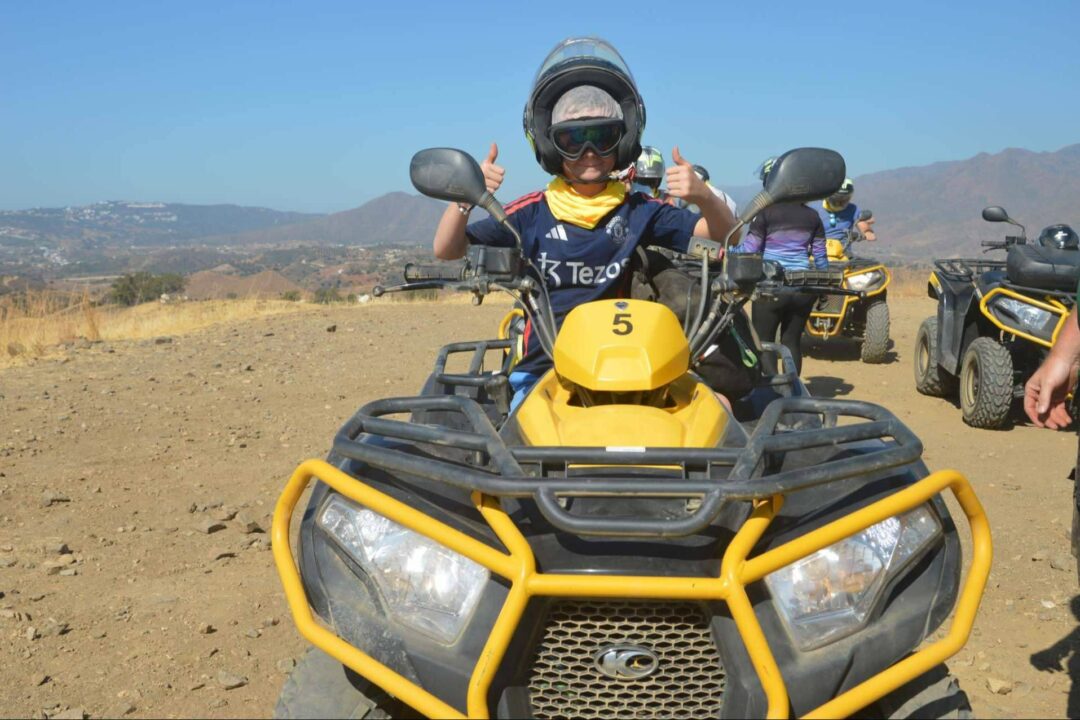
556, 233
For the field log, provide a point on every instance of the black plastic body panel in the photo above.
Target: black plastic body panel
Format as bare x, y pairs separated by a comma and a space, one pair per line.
956, 302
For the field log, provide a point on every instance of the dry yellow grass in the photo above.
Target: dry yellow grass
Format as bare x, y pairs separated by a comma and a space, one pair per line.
40, 322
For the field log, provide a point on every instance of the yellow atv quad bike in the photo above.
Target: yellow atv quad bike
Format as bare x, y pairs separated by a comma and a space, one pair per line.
621, 545
862, 314
995, 322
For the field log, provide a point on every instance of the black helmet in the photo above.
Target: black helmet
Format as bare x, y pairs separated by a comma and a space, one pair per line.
765, 168
583, 61
649, 167
842, 196
701, 172
1059, 237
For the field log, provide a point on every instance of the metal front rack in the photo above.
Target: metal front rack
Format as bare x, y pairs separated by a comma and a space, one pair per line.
746, 473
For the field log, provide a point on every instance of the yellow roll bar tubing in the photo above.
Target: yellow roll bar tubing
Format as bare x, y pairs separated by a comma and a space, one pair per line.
914, 665
1052, 306
504, 324
736, 571
848, 300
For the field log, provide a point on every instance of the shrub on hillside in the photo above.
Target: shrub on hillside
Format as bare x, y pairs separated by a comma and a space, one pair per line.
327, 296
140, 287
291, 295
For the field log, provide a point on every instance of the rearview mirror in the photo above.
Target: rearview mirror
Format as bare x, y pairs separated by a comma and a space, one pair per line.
805, 174
447, 174
799, 175
865, 215
995, 213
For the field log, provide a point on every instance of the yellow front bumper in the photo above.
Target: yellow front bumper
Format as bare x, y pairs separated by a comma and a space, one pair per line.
737, 570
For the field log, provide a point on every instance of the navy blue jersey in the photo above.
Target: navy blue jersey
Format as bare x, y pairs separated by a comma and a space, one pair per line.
837, 223
581, 265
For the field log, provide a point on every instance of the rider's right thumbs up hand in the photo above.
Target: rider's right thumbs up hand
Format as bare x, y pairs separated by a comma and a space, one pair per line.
493, 174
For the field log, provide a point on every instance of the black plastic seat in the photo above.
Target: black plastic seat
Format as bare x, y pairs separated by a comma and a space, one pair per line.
1035, 266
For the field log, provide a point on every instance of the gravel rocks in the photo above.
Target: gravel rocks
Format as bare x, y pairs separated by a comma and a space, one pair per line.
210, 526
50, 498
231, 681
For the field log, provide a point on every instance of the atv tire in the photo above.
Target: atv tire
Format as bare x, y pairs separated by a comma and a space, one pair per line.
930, 378
875, 344
936, 694
986, 384
320, 687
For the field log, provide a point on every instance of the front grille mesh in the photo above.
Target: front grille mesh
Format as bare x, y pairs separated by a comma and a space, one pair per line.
830, 304
565, 681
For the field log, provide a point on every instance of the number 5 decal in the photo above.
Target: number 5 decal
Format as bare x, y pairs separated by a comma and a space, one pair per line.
621, 324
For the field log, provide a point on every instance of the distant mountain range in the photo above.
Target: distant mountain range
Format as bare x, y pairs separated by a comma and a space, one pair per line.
935, 210
135, 223
396, 218
922, 212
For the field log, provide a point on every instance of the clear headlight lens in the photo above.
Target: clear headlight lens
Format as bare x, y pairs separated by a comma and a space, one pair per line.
425, 585
864, 280
1027, 314
830, 594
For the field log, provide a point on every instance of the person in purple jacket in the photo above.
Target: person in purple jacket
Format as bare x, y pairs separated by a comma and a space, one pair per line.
790, 234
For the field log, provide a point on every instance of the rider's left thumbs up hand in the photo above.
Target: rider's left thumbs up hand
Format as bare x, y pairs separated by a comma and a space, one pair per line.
683, 182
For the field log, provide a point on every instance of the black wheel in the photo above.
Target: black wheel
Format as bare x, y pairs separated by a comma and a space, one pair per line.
933, 695
875, 342
986, 384
320, 687
930, 377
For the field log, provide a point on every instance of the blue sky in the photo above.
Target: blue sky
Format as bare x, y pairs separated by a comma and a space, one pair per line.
319, 106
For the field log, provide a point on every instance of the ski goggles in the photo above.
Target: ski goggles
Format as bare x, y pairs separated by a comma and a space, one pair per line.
573, 137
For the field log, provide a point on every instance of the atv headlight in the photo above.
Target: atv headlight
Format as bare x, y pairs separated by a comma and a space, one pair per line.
1029, 315
862, 281
830, 594
425, 585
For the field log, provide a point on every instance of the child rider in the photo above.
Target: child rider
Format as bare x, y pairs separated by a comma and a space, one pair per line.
584, 119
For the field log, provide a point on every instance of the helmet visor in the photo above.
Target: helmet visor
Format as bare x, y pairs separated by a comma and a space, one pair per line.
573, 137
580, 51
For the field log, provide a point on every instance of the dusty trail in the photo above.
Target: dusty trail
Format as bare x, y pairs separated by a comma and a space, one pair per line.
128, 454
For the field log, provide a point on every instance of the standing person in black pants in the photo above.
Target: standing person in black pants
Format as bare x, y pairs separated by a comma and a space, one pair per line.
789, 234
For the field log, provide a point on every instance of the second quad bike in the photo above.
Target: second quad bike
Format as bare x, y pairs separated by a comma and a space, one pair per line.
995, 322
621, 544
862, 314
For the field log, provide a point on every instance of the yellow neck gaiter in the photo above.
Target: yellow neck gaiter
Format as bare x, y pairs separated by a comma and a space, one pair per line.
567, 205
829, 208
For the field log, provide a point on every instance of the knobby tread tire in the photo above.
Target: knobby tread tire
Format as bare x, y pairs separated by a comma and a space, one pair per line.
990, 407
875, 344
935, 382
935, 694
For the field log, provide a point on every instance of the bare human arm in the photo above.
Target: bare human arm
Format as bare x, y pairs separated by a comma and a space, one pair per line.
450, 242
1046, 391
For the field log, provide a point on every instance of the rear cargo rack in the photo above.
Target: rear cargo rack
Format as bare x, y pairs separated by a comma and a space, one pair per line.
964, 269
715, 475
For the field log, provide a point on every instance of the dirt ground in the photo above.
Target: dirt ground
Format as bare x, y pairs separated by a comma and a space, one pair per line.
116, 459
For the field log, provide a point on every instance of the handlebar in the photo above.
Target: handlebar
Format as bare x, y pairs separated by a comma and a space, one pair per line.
1008, 242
